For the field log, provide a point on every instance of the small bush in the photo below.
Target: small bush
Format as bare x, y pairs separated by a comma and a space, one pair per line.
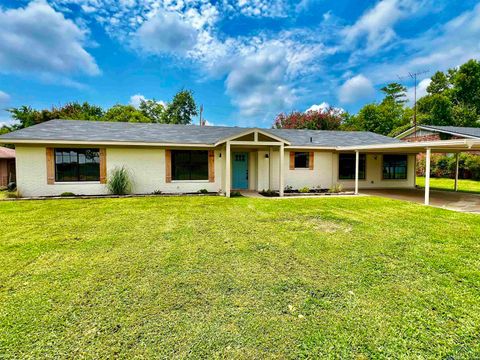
288, 189
119, 182
157, 192
203, 191
304, 190
235, 194
67, 193
11, 186
335, 189
269, 193
12, 195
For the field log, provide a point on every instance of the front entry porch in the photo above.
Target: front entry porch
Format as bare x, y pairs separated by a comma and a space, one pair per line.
254, 161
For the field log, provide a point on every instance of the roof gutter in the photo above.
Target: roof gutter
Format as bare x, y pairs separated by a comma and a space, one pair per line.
100, 142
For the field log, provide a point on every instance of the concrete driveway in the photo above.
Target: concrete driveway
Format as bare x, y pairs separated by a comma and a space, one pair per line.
457, 201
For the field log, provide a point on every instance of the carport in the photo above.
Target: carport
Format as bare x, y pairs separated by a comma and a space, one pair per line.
444, 146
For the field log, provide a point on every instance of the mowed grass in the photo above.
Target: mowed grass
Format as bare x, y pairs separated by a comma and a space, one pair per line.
449, 184
209, 277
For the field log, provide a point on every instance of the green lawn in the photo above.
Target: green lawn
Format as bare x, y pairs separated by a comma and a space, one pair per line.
449, 184
209, 277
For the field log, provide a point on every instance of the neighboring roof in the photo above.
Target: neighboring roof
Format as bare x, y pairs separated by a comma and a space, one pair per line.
119, 132
469, 132
6, 153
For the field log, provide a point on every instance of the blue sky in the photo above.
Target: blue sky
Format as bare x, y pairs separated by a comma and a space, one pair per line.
245, 60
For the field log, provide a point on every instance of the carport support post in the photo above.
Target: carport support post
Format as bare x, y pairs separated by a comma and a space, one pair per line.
427, 176
280, 169
228, 177
357, 160
457, 159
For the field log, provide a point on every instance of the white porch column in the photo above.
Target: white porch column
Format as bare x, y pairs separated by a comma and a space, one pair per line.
457, 160
228, 176
280, 169
357, 160
427, 176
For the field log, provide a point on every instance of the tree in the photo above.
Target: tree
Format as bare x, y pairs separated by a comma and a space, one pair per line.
125, 113
466, 85
329, 119
435, 109
439, 83
27, 116
395, 92
181, 109
152, 109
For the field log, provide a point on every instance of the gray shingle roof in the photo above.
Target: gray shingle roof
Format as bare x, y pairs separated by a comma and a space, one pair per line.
469, 131
96, 131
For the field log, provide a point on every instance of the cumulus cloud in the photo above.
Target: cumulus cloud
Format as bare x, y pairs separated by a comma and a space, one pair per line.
323, 108
376, 25
421, 90
258, 82
4, 98
136, 99
38, 39
166, 33
355, 89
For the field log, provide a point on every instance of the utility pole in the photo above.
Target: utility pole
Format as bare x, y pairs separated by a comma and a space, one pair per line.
201, 113
414, 76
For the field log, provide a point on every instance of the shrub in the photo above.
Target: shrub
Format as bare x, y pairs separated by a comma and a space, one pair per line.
304, 189
269, 193
204, 191
11, 186
12, 195
119, 182
157, 192
288, 189
235, 194
67, 193
336, 188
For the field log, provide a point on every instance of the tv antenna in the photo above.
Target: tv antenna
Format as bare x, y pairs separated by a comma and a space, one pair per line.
414, 76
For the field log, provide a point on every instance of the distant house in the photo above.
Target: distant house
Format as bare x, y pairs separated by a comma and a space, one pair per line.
435, 133
78, 156
7, 166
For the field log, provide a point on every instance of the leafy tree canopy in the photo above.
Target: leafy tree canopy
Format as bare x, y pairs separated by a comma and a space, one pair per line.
181, 109
125, 113
329, 119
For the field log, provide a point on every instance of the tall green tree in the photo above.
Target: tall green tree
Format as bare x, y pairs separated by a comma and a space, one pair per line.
395, 92
439, 83
466, 85
152, 109
125, 113
181, 109
26, 116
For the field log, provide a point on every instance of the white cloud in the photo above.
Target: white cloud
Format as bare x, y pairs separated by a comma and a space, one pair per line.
421, 90
376, 25
4, 98
355, 89
166, 33
323, 108
258, 82
136, 99
37, 39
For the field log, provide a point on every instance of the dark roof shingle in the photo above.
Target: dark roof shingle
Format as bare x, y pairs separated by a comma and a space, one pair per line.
96, 131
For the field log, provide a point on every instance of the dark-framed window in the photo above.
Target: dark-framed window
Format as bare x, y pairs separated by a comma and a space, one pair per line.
77, 165
346, 166
302, 160
395, 167
189, 165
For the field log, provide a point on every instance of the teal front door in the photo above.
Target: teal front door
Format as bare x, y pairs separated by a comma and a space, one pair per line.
240, 171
